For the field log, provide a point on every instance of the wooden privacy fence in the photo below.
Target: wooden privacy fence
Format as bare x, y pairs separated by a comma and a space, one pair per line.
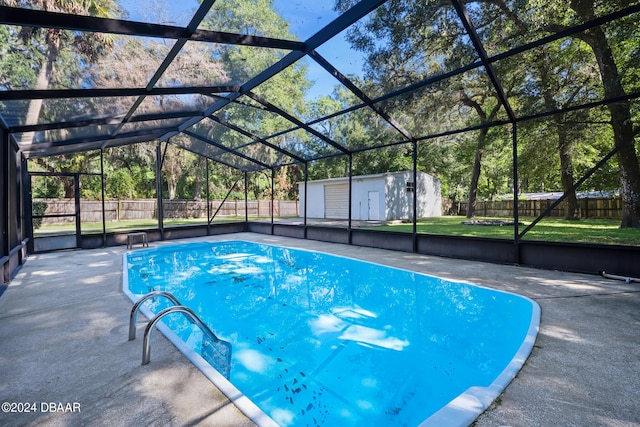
140, 209
605, 208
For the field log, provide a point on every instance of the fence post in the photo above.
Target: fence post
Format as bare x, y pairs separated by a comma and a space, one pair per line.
599, 207
586, 208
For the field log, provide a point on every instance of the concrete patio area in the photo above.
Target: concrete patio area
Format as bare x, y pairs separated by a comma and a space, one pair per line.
63, 346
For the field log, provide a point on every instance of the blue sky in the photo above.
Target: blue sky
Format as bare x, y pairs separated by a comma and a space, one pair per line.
305, 18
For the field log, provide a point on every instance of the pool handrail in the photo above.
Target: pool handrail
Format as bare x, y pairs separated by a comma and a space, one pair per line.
146, 343
133, 317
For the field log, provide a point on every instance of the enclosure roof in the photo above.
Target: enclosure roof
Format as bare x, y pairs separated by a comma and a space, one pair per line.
227, 80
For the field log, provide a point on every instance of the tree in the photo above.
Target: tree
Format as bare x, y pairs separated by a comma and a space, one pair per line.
239, 64
564, 77
16, 61
482, 142
173, 167
138, 162
542, 17
621, 123
40, 58
200, 167
286, 179
50, 42
406, 42
75, 163
133, 62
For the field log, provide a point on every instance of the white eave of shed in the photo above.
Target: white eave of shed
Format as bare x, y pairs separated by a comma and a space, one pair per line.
343, 179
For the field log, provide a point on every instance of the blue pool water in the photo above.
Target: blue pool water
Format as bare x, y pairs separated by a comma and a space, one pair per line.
325, 340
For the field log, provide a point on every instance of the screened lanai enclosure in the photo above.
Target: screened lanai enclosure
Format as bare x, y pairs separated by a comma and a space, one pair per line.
192, 118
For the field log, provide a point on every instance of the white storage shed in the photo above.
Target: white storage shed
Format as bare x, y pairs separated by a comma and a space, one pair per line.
385, 196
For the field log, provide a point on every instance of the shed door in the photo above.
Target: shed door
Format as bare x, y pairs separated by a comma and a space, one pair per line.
374, 205
336, 201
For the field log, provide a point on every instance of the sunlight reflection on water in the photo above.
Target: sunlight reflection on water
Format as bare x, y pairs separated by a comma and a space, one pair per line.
319, 339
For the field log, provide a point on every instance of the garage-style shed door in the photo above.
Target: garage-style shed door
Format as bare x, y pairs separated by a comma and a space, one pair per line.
336, 201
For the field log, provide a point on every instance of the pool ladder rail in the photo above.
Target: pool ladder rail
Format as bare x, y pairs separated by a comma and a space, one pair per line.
220, 360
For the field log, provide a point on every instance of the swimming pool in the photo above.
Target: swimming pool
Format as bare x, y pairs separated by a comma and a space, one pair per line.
325, 340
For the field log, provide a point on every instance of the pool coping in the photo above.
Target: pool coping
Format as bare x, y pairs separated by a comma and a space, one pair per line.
464, 409
461, 411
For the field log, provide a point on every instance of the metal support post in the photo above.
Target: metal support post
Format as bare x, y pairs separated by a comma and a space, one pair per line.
104, 219
516, 214
415, 196
350, 194
306, 196
273, 191
76, 194
246, 202
159, 160
28, 205
207, 195
5, 178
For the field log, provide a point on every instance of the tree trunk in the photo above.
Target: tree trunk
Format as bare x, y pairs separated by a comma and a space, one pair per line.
565, 145
69, 187
475, 174
629, 168
171, 186
482, 141
197, 191
567, 177
628, 165
44, 76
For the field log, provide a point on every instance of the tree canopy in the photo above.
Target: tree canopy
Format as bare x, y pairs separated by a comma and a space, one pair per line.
460, 81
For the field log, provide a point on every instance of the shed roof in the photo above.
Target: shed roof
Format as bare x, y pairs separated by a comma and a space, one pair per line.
343, 179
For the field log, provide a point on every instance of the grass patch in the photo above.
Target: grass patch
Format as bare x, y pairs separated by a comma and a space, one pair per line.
124, 226
602, 231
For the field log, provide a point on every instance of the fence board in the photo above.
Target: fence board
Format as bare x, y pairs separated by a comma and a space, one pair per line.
141, 209
587, 208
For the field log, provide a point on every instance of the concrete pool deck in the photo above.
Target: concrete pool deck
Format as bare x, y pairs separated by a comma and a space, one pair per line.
63, 340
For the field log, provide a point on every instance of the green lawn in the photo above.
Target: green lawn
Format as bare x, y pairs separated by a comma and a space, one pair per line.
549, 229
123, 226
120, 226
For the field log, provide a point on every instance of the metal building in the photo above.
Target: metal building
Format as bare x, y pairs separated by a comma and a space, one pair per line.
385, 196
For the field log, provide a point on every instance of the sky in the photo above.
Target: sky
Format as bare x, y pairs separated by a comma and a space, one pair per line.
305, 17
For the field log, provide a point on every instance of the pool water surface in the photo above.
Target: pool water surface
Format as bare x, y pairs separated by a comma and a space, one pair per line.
325, 340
